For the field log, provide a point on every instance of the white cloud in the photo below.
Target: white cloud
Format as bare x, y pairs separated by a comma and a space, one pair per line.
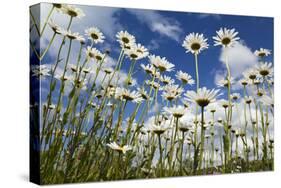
157, 23
240, 57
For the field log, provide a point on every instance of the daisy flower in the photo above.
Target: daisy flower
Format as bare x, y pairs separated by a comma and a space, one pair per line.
171, 92
94, 53
95, 35
265, 69
149, 69
226, 37
72, 11
40, 70
166, 80
203, 97
56, 28
159, 129
118, 148
176, 111
224, 82
125, 39
235, 96
73, 35
143, 93
244, 81
161, 63
185, 78
153, 84
248, 99
143, 52
262, 52
125, 94
195, 43
250, 74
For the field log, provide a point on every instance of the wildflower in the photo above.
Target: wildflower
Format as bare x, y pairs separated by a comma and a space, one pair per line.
203, 97
226, 37
159, 129
195, 43
95, 35
153, 84
94, 53
235, 96
161, 63
125, 94
172, 92
57, 29
118, 148
166, 80
125, 39
248, 99
149, 69
185, 78
262, 52
265, 69
40, 70
250, 74
73, 36
176, 111
143, 93
224, 82
244, 81
72, 11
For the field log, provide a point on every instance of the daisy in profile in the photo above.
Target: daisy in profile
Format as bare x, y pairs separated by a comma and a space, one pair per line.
125, 39
162, 64
224, 82
172, 92
265, 69
153, 84
125, 94
72, 11
56, 28
118, 148
248, 99
94, 53
176, 111
95, 35
160, 128
251, 74
226, 37
262, 52
149, 69
244, 81
143, 93
195, 43
185, 78
167, 80
235, 96
143, 51
73, 35
203, 97
40, 70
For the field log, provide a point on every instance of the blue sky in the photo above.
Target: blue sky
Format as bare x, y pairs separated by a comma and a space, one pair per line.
163, 33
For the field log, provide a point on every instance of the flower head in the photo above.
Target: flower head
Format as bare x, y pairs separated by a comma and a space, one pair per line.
40, 70
95, 35
226, 37
185, 78
195, 43
265, 69
125, 94
118, 148
172, 92
262, 52
56, 28
159, 129
72, 11
125, 39
203, 97
162, 64
176, 111
250, 74
167, 80
94, 53
224, 82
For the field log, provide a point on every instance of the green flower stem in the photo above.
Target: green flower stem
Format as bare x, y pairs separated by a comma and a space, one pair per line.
160, 155
53, 83
202, 138
181, 154
47, 20
34, 22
